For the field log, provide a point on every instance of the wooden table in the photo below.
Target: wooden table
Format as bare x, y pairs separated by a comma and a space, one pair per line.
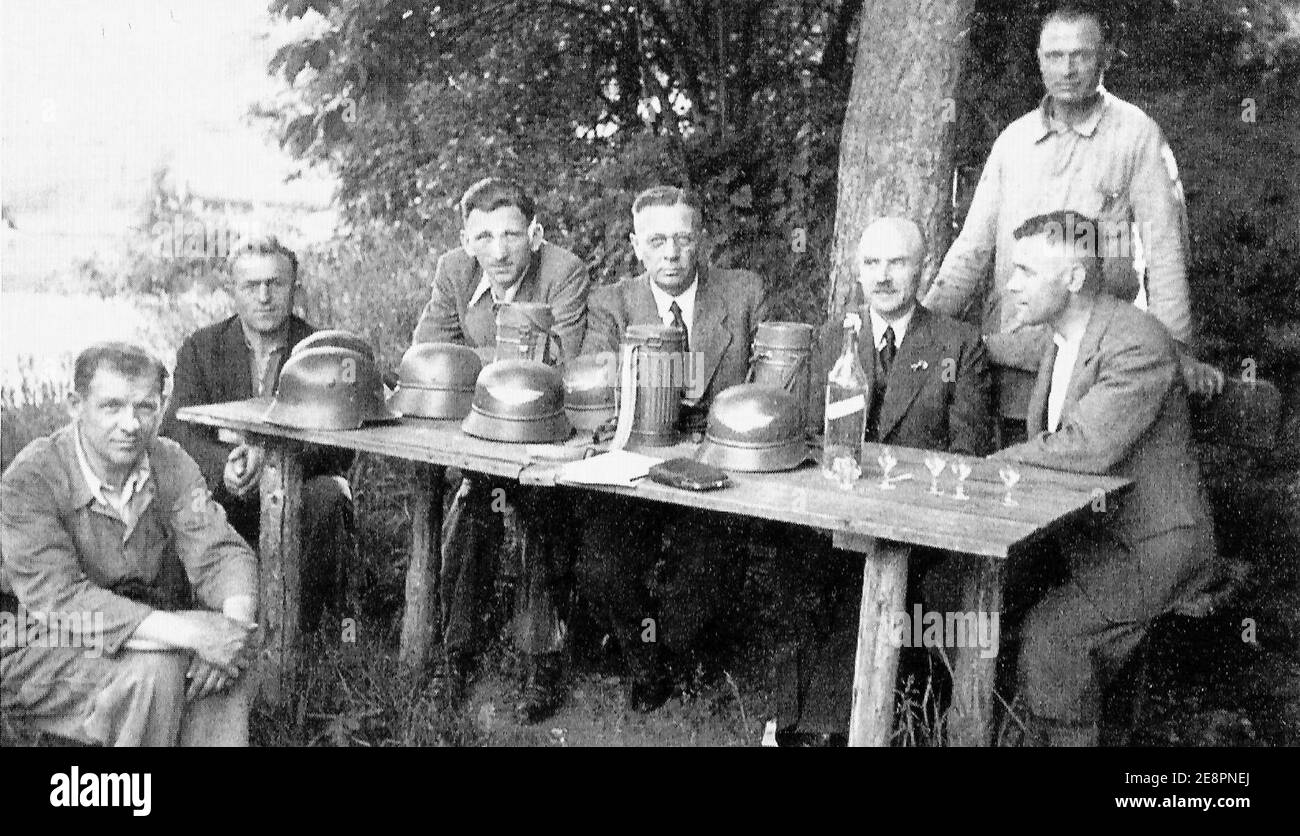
882, 525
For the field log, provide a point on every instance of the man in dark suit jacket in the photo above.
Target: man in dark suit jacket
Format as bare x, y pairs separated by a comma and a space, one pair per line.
1110, 400
932, 390
503, 258
623, 540
239, 358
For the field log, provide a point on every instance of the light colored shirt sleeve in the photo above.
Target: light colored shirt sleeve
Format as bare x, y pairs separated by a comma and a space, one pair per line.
963, 276
1160, 211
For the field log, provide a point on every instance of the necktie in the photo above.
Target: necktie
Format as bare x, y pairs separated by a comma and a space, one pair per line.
888, 350
678, 322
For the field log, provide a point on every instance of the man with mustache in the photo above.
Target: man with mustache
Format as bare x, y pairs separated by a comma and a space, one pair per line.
1087, 150
503, 257
103, 518
931, 389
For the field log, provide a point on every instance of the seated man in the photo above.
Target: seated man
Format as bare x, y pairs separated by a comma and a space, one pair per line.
933, 390
102, 524
502, 258
1109, 400
241, 357
624, 539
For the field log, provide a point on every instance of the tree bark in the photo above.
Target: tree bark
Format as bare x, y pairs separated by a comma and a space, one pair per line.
896, 152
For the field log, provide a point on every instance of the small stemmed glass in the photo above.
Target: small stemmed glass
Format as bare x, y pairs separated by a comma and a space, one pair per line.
963, 470
887, 462
935, 463
1010, 476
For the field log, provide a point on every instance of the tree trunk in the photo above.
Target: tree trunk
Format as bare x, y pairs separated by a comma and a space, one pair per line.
896, 153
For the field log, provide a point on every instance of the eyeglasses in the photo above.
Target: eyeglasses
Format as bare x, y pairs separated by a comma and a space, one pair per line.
684, 241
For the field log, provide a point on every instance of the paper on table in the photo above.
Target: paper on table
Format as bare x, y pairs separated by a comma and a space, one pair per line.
617, 467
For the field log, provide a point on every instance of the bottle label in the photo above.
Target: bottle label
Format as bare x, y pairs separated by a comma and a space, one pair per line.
848, 406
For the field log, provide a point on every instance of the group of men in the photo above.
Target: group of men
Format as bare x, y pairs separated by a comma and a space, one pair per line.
1064, 372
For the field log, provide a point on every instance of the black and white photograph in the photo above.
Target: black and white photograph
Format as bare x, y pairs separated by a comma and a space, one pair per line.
651, 373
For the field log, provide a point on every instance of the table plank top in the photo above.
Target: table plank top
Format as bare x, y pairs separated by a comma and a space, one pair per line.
1045, 499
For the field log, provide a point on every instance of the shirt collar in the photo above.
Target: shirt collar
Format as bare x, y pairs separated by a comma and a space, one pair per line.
134, 483
1071, 339
281, 340
879, 324
485, 284
1087, 127
685, 300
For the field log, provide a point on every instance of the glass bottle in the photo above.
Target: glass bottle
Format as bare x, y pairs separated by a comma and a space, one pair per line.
848, 396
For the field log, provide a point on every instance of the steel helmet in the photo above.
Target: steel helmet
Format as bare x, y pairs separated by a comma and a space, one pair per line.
339, 339
436, 380
328, 388
519, 401
590, 386
754, 428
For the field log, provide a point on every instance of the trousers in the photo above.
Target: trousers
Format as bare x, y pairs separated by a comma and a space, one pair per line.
1081, 632
328, 526
497, 528
134, 698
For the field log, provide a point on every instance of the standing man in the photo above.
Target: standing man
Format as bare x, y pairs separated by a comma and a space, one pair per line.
933, 390
1086, 150
624, 540
105, 530
239, 358
1109, 399
503, 257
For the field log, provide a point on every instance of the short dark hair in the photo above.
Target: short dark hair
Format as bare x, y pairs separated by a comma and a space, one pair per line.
264, 245
492, 193
1077, 10
1081, 232
669, 196
127, 359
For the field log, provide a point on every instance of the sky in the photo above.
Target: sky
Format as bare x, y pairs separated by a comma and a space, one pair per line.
95, 95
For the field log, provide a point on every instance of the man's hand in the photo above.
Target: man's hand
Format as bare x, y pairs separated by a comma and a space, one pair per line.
225, 644
243, 469
1200, 378
204, 680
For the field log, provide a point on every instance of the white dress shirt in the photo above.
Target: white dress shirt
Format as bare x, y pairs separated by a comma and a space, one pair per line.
685, 300
1067, 351
879, 324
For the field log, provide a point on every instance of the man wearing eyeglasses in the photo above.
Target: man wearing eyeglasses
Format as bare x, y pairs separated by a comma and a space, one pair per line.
1086, 150
240, 357
663, 579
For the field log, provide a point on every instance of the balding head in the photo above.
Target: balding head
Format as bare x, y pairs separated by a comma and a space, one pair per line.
890, 255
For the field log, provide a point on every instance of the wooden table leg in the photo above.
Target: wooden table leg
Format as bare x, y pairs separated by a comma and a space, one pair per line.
280, 568
420, 621
970, 717
875, 669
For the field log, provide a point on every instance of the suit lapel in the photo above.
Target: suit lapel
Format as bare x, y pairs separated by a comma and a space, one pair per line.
709, 339
1089, 347
235, 362
641, 307
1036, 417
904, 381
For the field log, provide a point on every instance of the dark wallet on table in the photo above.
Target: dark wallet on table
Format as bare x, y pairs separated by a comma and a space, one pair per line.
690, 475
